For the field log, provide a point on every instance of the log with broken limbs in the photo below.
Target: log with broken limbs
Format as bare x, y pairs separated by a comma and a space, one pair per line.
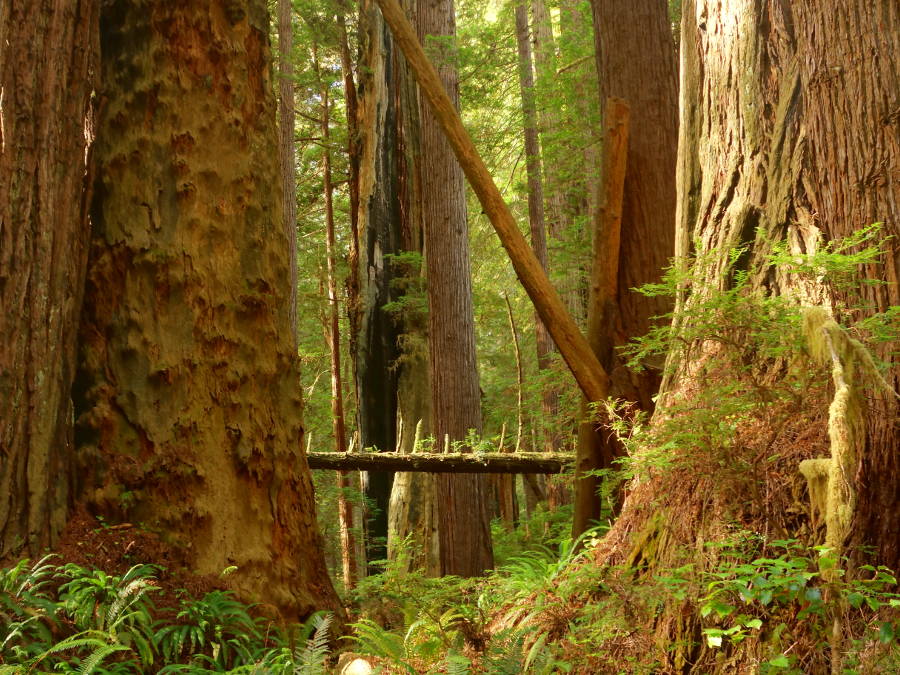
488, 462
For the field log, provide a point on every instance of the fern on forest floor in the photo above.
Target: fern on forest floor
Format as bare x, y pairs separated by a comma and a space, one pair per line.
65, 618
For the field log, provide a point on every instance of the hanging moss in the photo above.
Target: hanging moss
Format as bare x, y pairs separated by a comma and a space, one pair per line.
831, 488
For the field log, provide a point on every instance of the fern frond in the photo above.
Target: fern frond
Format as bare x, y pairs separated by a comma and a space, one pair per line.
97, 656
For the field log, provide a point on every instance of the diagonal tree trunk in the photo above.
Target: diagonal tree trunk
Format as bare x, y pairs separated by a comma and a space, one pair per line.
48, 54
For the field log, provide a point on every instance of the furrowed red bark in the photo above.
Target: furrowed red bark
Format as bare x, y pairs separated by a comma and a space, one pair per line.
464, 531
48, 54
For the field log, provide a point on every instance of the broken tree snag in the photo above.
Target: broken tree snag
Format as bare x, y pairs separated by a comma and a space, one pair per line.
607, 234
596, 450
588, 372
493, 462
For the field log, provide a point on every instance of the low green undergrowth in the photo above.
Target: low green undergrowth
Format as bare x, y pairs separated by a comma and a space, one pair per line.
68, 619
546, 610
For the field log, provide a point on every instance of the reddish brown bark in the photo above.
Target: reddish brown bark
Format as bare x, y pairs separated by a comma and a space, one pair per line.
644, 73
851, 111
464, 531
48, 56
345, 509
778, 143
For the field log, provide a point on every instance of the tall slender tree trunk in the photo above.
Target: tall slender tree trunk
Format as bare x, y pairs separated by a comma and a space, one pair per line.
351, 104
345, 508
188, 393
506, 484
545, 66
392, 373
538, 228
286, 147
48, 61
465, 534
353, 157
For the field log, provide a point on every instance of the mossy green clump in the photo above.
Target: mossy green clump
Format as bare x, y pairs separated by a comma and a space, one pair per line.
852, 366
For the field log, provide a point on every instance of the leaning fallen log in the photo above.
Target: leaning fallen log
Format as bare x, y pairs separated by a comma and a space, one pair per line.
488, 462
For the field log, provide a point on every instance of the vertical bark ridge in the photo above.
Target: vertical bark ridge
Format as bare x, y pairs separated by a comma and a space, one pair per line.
48, 61
465, 536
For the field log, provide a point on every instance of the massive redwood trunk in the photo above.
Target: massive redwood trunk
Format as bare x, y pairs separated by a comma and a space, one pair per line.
811, 167
188, 412
48, 59
787, 135
851, 178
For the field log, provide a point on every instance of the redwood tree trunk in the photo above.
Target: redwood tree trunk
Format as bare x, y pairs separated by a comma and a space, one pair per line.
345, 508
189, 396
48, 57
642, 73
538, 228
391, 353
286, 147
464, 533
376, 347
786, 136
851, 107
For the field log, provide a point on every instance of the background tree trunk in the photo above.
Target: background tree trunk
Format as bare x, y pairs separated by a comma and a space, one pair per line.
48, 58
345, 509
465, 533
377, 348
395, 382
286, 146
644, 73
534, 485
189, 404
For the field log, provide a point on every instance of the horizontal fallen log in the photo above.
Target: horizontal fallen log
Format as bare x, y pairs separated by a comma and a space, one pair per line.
488, 462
